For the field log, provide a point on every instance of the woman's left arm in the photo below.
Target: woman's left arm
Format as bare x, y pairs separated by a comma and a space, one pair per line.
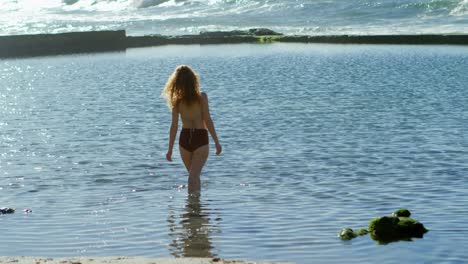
209, 122
173, 132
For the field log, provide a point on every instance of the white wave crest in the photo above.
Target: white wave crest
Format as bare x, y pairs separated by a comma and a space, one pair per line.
461, 9
151, 3
28, 5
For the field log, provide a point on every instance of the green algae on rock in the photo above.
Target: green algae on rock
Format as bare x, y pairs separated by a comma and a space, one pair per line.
393, 228
402, 212
388, 229
348, 233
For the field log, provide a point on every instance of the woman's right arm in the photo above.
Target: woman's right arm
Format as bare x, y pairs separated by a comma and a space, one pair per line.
173, 132
209, 122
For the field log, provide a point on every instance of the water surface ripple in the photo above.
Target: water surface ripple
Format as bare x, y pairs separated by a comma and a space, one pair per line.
316, 138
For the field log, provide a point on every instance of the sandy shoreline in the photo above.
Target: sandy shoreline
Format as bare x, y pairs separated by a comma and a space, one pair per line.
125, 260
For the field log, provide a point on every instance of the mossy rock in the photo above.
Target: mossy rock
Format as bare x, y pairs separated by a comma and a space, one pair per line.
398, 226
348, 233
402, 212
362, 232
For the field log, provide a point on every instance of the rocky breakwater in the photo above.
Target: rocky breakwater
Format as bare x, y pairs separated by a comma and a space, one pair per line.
99, 41
64, 43
254, 35
381, 39
264, 35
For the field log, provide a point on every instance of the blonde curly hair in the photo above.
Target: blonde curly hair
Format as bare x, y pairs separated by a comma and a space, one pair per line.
182, 86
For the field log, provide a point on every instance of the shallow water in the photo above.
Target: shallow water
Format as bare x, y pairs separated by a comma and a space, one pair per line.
316, 138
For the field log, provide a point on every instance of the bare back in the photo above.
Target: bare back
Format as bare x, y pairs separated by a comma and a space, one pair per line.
191, 115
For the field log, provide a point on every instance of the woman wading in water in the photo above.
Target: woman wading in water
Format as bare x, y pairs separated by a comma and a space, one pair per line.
184, 98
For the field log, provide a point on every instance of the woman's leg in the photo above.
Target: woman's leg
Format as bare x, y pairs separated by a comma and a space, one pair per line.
186, 157
199, 157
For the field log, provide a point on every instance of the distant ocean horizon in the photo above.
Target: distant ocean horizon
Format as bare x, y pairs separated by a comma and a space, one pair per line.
177, 17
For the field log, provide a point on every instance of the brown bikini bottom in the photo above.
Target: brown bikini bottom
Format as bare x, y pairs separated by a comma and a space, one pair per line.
192, 138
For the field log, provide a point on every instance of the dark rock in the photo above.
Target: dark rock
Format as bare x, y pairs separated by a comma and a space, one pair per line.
51, 44
387, 229
381, 39
145, 41
402, 212
362, 232
6, 210
250, 32
102, 41
263, 32
224, 33
70, 2
393, 228
347, 234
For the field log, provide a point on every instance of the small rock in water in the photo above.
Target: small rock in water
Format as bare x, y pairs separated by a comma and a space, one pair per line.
27, 211
403, 212
6, 210
347, 234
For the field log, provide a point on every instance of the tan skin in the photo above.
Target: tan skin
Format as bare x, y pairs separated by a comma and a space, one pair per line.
196, 115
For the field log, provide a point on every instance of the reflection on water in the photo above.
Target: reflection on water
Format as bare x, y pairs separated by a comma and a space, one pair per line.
319, 137
191, 230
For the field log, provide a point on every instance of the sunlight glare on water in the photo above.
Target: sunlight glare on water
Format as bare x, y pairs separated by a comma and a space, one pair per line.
316, 138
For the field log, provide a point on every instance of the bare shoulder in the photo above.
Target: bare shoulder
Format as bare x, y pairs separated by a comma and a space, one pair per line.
204, 98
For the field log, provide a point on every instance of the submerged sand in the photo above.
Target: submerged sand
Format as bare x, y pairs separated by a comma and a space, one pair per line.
124, 260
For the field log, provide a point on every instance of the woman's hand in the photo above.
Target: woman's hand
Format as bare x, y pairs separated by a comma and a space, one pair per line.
219, 149
169, 155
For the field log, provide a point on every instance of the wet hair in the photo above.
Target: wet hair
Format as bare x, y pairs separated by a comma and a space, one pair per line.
182, 86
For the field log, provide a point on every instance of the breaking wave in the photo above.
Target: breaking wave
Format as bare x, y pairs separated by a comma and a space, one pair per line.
191, 16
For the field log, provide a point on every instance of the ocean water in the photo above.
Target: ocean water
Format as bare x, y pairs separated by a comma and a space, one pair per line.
316, 138
174, 17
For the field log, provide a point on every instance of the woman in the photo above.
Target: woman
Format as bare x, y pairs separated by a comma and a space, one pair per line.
184, 98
